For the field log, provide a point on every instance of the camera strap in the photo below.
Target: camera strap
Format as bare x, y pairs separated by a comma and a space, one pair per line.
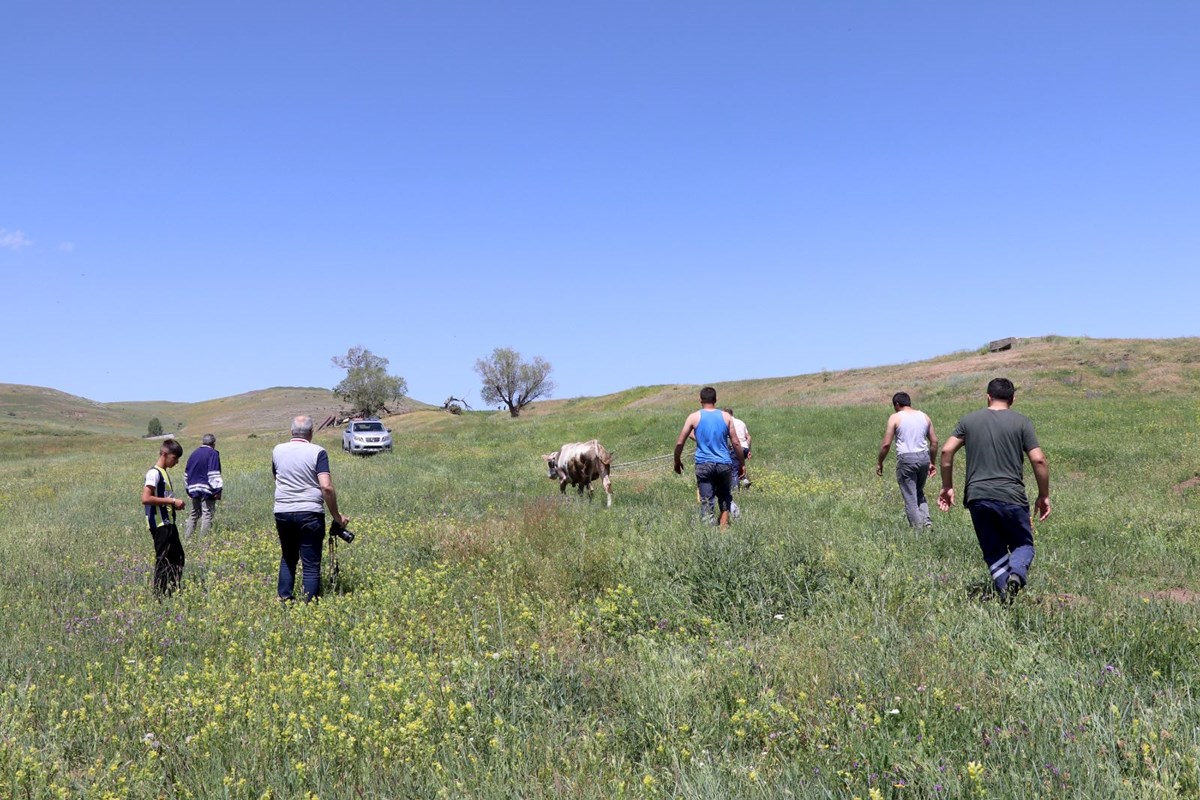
334, 572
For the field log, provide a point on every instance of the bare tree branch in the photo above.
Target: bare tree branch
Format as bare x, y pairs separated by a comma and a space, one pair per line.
510, 382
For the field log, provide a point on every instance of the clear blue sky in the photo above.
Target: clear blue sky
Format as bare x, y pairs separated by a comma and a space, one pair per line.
203, 199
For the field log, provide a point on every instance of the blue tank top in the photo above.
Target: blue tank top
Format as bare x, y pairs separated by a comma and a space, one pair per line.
712, 438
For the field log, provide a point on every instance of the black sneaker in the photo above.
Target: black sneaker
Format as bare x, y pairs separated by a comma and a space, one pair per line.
1012, 586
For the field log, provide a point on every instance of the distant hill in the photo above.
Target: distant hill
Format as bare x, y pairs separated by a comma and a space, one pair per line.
261, 411
1049, 366
26, 409
23, 406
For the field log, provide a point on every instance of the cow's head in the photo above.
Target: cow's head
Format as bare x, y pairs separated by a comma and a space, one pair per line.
551, 460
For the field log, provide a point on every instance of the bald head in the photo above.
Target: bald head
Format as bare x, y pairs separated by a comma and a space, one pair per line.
302, 427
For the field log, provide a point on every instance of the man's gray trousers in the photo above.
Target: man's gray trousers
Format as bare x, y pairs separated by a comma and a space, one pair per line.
912, 469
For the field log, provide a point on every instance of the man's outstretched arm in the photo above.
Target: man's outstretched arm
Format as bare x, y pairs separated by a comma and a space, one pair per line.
946, 496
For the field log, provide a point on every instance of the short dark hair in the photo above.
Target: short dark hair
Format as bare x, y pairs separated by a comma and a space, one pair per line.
901, 399
1001, 389
728, 410
708, 395
171, 446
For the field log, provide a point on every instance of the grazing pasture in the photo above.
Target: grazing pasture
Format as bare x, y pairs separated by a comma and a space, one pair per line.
490, 637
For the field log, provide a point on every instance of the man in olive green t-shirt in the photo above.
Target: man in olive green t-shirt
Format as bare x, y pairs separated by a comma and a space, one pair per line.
997, 440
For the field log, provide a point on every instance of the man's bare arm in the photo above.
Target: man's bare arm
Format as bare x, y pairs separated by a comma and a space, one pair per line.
689, 426
150, 499
933, 447
735, 444
889, 434
1041, 472
330, 495
946, 497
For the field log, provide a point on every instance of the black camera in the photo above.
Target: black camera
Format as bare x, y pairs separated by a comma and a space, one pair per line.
345, 534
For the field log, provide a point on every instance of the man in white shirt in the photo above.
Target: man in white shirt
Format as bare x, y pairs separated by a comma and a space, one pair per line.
740, 434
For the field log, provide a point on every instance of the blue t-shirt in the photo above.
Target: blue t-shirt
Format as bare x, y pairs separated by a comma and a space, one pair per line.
712, 438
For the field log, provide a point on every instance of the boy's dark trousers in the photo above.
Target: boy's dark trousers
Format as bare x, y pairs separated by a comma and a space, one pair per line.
168, 557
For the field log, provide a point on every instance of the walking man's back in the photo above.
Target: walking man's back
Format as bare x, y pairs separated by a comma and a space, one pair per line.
718, 459
303, 490
916, 444
204, 484
997, 441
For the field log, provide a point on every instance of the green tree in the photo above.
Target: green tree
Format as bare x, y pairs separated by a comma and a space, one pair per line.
154, 428
367, 387
510, 382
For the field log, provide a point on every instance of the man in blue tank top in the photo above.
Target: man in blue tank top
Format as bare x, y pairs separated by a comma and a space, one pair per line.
716, 456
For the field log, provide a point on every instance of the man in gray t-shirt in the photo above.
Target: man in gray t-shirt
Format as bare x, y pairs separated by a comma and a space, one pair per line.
997, 441
303, 490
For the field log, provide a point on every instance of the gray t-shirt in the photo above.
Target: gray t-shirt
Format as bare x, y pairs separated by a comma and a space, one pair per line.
296, 465
996, 442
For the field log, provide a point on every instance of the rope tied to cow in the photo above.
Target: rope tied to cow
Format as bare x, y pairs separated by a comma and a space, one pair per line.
651, 461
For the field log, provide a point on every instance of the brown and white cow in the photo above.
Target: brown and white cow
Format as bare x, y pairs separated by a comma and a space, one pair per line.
578, 464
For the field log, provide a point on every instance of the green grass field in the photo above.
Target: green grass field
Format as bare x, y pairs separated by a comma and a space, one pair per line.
491, 638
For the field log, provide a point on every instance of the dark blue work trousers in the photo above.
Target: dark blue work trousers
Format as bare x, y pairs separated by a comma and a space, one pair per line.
1005, 536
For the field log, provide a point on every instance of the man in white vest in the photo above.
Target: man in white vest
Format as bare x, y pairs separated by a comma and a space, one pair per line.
916, 456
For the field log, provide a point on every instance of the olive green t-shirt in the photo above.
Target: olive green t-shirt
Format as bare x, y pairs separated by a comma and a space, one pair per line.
996, 442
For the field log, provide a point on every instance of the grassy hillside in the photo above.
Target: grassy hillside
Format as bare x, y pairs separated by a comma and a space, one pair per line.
34, 406
34, 418
1045, 367
263, 411
489, 637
